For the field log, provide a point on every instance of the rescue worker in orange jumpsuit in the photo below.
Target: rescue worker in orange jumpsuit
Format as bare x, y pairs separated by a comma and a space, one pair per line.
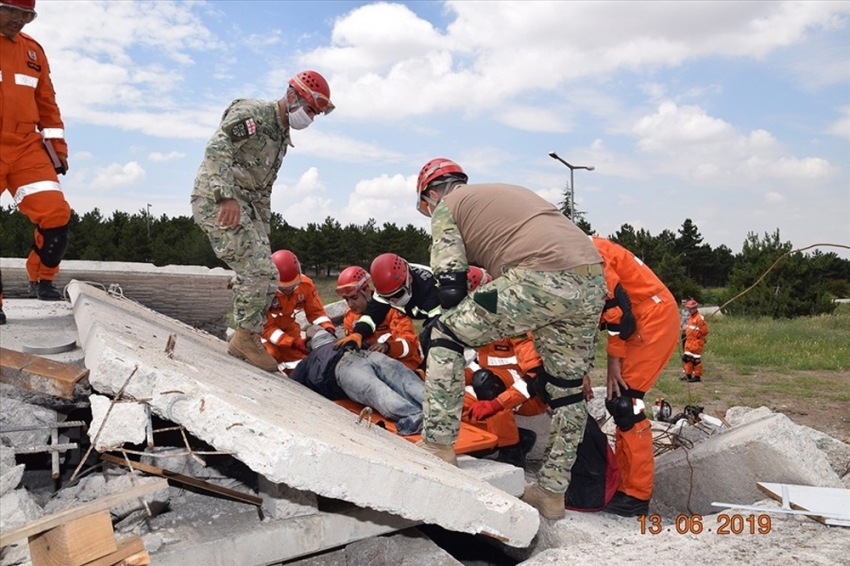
496, 391
296, 292
696, 330
395, 336
642, 320
29, 121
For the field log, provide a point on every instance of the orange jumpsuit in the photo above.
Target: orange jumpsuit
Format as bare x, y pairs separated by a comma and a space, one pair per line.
281, 329
509, 359
28, 111
644, 354
397, 331
696, 330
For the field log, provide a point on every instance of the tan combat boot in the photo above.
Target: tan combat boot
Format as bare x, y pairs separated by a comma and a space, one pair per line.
549, 503
445, 452
247, 346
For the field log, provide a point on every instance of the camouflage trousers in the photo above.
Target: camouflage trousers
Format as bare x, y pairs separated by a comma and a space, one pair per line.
246, 250
561, 309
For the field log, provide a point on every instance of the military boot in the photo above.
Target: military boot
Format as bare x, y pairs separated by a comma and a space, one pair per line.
550, 504
445, 452
626, 505
47, 291
32, 289
247, 346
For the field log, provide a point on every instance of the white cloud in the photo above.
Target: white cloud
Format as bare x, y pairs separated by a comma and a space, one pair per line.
841, 127
158, 156
117, 175
773, 197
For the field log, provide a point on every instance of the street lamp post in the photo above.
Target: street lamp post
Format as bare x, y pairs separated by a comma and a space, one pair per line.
572, 168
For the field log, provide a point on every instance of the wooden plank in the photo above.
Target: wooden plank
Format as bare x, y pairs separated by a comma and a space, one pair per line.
188, 480
127, 548
56, 519
822, 502
28, 371
74, 543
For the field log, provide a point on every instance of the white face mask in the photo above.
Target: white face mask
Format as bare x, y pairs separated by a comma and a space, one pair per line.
403, 300
299, 119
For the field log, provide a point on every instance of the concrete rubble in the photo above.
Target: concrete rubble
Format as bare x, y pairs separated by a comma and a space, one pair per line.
331, 492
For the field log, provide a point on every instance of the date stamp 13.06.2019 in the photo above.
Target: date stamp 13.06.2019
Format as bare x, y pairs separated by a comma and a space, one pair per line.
726, 524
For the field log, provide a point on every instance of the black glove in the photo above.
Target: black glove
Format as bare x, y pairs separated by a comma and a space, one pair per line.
628, 324
452, 288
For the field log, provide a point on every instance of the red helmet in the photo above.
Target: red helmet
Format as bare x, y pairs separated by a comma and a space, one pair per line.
389, 272
477, 276
351, 280
288, 267
314, 89
431, 171
25, 5
691, 304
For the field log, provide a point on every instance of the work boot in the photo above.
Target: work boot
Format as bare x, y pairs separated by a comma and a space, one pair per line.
694, 379
685, 377
2, 316
445, 452
47, 291
515, 453
627, 506
32, 289
247, 346
550, 504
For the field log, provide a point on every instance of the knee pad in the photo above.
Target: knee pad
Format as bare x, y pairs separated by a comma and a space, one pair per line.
686, 358
55, 245
697, 361
627, 409
486, 385
450, 342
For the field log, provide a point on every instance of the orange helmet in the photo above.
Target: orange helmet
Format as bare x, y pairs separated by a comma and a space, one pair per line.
314, 89
352, 280
25, 5
389, 272
288, 267
691, 304
430, 172
477, 276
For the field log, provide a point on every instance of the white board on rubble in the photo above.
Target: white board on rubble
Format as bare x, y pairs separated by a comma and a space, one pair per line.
833, 503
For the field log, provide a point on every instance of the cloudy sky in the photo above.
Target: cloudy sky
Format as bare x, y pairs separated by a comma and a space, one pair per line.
733, 114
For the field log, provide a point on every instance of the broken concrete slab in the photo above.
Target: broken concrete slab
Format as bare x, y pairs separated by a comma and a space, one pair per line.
726, 467
737, 416
280, 429
10, 472
114, 424
283, 502
15, 414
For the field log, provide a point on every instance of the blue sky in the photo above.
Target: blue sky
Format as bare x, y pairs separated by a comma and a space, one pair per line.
733, 114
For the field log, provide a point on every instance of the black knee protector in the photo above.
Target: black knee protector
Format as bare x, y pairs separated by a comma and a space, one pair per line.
450, 342
697, 361
452, 288
486, 385
55, 245
686, 358
623, 409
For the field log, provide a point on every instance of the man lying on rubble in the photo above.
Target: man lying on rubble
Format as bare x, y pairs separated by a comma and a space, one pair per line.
496, 391
395, 336
367, 377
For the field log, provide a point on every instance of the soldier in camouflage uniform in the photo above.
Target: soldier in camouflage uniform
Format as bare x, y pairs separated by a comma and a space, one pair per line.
548, 280
231, 201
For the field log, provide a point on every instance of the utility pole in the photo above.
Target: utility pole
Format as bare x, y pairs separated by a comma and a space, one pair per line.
572, 168
148, 220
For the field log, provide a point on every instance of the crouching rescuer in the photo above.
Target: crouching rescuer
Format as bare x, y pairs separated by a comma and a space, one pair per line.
548, 281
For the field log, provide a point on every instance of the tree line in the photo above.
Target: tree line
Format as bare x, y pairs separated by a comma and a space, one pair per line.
800, 284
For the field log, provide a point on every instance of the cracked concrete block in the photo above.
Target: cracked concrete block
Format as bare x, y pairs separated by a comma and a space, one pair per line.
278, 428
376, 551
125, 424
282, 502
836, 452
18, 414
10, 472
18, 508
726, 468
737, 416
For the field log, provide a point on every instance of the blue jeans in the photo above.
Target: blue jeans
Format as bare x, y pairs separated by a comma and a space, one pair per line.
387, 385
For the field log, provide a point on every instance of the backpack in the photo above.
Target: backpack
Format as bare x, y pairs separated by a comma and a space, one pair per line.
595, 476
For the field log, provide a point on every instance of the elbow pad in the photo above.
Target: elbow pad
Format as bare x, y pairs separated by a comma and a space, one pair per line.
452, 288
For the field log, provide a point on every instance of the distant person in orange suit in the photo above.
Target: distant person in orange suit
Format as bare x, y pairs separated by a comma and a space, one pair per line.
295, 293
642, 320
31, 124
696, 331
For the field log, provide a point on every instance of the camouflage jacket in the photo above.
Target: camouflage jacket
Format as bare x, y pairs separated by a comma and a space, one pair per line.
245, 153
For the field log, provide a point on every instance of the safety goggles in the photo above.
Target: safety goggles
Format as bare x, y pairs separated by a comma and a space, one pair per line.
10, 14
351, 290
320, 103
400, 293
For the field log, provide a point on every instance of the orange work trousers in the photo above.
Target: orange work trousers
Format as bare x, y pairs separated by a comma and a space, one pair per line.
502, 424
31, 179
647, 352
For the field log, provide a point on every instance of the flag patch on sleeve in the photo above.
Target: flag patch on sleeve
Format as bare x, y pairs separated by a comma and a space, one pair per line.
243, 130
